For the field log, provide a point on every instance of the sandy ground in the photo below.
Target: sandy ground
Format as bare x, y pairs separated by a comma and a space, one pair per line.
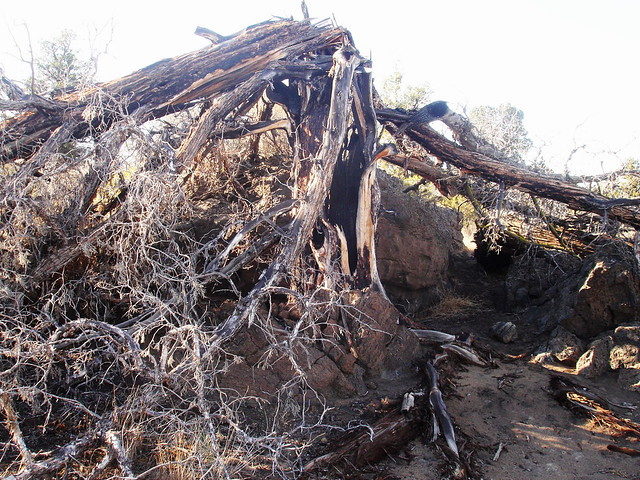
541, 439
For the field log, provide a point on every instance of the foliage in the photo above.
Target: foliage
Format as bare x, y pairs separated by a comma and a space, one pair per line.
396, 94
503, 126
60, 66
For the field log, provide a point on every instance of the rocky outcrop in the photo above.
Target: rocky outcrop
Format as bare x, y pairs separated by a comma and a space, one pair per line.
382, 346
377, 347
608, 296
537, 279
585, 297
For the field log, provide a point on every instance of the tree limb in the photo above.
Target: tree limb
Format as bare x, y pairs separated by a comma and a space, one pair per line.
492, 169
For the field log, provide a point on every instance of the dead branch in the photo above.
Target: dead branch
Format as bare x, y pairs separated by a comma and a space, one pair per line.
64, 455
496, 170
210, 35
632, 452
13, 426
442, 419
172, 84
446, 183
253, 129
583, 402
367, 444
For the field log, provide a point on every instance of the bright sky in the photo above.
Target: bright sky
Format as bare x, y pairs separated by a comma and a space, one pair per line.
571, 65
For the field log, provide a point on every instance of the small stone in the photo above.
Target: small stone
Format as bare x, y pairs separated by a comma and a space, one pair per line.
624, 356
595, 361
506, 332
565, 346
629, 378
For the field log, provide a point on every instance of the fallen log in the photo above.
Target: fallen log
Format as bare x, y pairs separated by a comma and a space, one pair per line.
496, 170
369, 444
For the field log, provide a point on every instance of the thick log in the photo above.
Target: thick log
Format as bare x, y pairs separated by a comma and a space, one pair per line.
369, 444
172, 84
493, 169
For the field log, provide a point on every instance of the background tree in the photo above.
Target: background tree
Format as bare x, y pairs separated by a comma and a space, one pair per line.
398, 94
503, 126
59, 65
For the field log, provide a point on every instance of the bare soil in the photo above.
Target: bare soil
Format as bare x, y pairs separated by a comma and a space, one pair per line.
511, 405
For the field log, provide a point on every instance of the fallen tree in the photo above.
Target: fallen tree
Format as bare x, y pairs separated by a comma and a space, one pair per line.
477, 160
157, 252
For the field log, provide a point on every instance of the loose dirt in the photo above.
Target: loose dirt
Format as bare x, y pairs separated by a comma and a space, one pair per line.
512, 405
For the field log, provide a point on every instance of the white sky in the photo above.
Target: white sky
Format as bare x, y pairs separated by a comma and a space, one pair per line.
573, 66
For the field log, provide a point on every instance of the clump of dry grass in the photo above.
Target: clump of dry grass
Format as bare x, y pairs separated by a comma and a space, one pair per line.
452, 305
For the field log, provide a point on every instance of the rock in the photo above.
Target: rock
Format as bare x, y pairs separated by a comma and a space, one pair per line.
506, 332
587, 298
629, 378
626, 352
608, 296
624, 355
414, 244
383, 346
595, 361
627, 334
563, 346
324, 375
